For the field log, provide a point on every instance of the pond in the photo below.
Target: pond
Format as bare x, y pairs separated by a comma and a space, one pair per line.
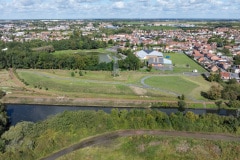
35, 113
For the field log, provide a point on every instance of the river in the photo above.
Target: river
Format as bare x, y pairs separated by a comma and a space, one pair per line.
35, 113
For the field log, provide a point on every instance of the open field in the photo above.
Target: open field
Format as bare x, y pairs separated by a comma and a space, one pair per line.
102, 85
187, 85
92, 84
183, 63
130, 85
83, 52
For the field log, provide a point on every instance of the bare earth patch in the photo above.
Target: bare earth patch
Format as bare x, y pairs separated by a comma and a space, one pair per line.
139, 91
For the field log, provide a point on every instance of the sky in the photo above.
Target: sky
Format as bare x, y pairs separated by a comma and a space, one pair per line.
105, 9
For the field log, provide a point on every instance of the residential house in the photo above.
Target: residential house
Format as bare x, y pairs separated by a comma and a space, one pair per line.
225, 75
213, 68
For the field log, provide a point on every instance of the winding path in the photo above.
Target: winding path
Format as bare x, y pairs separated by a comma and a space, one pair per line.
106, 138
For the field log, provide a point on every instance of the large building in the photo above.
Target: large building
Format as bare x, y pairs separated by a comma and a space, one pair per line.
155, 59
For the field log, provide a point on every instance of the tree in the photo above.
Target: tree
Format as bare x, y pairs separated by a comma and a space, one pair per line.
182, 97
131, 62
231, 92
2, 93
234, 104
72, 74
149, 68
182, 105
80, 73
214, 92
236, 60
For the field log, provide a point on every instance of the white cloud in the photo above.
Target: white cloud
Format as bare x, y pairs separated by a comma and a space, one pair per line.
119, 5
123, 8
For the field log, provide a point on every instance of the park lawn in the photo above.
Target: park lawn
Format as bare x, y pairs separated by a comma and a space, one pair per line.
103, 84
71, 84
182, 63
175, 84
132, 77
92, 84
84, 52
203, 86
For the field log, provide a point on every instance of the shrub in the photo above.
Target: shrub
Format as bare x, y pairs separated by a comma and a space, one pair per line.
234, 104
2, 93
182, 105
80, 73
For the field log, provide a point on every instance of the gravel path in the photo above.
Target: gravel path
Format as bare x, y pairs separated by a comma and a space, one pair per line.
106, 138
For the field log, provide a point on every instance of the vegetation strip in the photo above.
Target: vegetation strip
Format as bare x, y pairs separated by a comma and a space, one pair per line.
113, 135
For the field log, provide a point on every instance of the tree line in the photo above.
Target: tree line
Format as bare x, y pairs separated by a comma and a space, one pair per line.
38, 54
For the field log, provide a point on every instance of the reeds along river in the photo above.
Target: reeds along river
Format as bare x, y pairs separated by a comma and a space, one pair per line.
35, 113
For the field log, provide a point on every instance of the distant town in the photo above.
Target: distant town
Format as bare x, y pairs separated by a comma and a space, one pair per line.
211, 44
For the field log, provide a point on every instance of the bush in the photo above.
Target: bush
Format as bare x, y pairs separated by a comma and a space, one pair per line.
2, 94
234, 104
80, 73
182, 105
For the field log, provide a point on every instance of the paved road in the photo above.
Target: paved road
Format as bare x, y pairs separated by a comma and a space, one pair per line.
106, 138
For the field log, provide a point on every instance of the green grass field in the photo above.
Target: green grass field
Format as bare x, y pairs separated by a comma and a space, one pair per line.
190, 86
183, 63
172, 83
84, 52
127, 85
102, 84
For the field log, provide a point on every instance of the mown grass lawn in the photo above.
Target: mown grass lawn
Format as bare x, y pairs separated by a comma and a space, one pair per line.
172, 83
84, 52
190, 86
71, 84
99, 83
182, 63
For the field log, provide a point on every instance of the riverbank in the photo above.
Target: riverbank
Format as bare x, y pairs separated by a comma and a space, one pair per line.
68, 101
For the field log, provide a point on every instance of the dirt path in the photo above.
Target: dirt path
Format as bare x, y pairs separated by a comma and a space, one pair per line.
106, 138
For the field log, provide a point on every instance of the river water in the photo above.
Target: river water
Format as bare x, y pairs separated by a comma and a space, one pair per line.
35, 113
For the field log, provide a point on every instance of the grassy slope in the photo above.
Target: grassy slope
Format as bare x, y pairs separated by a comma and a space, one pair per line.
181, 61
157, 147
102, 84
187, 85
84, 52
